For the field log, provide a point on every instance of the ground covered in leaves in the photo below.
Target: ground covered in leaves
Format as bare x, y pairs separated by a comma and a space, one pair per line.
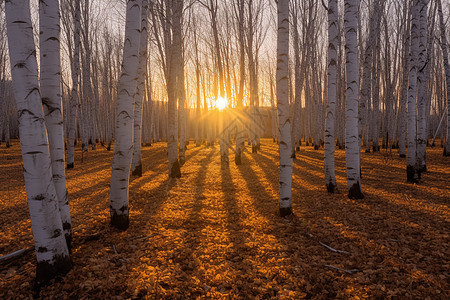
215, 233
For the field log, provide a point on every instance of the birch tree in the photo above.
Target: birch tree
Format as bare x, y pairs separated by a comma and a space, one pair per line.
422, 86
444, 46
352, 150
285, 149
123, 148
136, 166
74, 92
52, 253
333, 14
50, 87
411, 163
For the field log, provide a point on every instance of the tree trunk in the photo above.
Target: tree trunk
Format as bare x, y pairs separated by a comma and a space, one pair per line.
333, 13
123, 148
136, 165
422, 86
74, 93
444, 46
285, 149
51, 249
411, 168
352, 150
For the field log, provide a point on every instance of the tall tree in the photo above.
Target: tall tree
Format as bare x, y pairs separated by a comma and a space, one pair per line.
333, 15
136, 165
285, 149
411, 168
422, 87
123, 147
50, 87
74, 93
352, 150
52, 253
444, 46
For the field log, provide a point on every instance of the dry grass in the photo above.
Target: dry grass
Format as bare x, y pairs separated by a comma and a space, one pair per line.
215, 233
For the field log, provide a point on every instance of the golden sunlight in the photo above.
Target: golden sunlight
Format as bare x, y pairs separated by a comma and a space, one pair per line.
221, 103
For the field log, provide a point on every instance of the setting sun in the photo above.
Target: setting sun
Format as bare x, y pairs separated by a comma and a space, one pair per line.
221, 103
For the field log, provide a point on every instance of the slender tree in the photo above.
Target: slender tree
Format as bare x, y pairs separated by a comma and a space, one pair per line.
411, 169
50, 87
136, 165
333, 14
285, 149
352, 150
123, 148
52, 253
74, 93
444, 46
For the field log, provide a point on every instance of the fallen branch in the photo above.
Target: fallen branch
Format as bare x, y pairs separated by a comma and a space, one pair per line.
346, 271
15, 254
332, 249
115, 251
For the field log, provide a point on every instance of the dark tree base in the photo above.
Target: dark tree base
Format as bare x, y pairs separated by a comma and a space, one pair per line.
137, 171
402, 155
331, 188
293, 155
254, 149
423, 169
316, 147
411, 174
68, 235
46, 271
297, 148
182, 160
355, 192
446, 153
70, 166
120, 222
175, 172
307, 144
238, 160
273, 140
285, 211
367, 150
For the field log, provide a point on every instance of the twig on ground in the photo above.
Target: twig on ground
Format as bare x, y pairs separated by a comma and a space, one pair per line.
332, 249
352, 271
115, 251
15, 254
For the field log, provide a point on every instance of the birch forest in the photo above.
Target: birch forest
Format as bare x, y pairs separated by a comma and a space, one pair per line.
224, 149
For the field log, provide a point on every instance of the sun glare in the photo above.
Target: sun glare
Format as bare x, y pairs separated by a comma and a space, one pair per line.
221, 103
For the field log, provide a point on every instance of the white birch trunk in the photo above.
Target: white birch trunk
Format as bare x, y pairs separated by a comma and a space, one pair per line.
411, 168
405, 81
172, 131
422, 86
444, 46
352, 150
285, 149
123, 147
74, 92
330, 179
50, 87
51, 249
136, 166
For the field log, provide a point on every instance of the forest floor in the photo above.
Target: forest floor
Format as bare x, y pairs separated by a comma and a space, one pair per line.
216, 233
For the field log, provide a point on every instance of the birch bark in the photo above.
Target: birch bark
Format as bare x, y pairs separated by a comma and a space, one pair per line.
285, 149
352, 150
123, 147
333, 13
136, 165
51, 249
